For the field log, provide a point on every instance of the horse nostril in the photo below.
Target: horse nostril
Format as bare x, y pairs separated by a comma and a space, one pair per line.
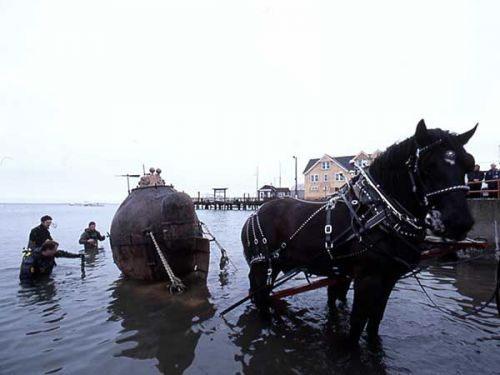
467, 224
458, 231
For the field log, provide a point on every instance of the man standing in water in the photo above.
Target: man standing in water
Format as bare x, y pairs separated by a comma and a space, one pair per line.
40, 234
90, 237
40, 262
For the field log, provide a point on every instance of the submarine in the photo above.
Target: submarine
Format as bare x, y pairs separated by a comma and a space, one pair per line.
155, 234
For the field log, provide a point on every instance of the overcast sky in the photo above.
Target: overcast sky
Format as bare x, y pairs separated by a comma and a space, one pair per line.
209, 90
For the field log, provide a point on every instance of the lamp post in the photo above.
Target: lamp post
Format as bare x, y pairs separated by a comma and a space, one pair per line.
296, 194
257, 184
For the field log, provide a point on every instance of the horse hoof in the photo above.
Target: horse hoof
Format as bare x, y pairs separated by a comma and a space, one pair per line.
265, 314
374, 342
352, 343
332, 306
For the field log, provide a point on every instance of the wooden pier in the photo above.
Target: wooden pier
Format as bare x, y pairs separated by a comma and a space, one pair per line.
245, 203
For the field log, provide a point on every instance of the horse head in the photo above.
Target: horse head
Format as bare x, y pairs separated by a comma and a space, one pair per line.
437, 170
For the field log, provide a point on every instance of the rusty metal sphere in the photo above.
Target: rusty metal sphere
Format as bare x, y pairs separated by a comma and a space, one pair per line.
171, 217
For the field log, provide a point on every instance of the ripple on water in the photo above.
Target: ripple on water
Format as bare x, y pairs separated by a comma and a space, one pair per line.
104, 323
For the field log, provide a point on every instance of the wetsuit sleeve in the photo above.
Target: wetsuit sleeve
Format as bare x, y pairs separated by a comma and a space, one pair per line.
32, 239
83, 238
101, 237
66, 254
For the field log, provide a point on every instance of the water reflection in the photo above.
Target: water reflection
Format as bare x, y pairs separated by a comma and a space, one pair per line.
93, 257
158, 324
473, 280
303, 342
102, 325
38, 292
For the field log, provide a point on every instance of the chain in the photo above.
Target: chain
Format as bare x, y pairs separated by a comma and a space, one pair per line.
176, 285
264, 239
224, 257
255, 240
307, 221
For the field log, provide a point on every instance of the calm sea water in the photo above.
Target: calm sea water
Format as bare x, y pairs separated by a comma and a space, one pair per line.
105, 324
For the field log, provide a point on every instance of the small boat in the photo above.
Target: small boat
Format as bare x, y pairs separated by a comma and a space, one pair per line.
93, 204
88, 204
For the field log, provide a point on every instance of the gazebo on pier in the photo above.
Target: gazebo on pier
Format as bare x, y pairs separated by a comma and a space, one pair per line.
219, 194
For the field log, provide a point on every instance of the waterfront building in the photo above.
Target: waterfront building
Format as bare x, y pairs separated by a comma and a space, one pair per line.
324, 176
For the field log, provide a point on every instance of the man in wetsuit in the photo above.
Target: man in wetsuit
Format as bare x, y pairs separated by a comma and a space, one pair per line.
40, 262
90, 237
40, 234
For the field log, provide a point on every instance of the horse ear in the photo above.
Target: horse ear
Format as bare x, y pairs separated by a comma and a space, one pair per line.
421, 133
464, 137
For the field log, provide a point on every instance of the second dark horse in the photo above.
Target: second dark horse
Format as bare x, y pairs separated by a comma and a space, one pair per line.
371, 230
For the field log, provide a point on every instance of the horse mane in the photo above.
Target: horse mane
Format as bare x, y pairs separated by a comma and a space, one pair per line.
396, 155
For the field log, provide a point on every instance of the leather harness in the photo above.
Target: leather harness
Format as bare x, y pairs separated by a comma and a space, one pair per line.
379, 211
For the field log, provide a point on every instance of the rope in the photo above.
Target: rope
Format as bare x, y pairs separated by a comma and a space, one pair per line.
224, 260
176, 285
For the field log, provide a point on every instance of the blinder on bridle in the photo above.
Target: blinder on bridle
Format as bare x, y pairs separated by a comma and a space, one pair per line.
416, 176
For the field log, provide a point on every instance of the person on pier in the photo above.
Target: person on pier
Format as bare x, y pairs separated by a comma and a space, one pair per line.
492, 177
475, 179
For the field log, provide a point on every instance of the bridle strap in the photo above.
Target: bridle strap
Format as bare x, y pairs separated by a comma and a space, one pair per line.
414, 174
447, 190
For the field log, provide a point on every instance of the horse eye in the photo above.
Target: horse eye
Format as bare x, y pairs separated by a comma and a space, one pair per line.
450, 156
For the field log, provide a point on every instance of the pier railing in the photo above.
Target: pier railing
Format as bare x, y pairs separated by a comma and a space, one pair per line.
234, 203
491, 193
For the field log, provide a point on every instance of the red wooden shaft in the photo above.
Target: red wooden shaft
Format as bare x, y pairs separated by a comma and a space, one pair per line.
304, 288
428, 254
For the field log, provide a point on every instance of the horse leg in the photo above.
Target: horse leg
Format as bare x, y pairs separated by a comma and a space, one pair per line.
338, 291
258, 286
367, 293
378, 308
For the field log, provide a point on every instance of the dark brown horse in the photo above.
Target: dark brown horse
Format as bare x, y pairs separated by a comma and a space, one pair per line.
371, 230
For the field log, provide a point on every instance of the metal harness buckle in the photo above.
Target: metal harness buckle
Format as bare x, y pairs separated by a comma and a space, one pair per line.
269, 275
